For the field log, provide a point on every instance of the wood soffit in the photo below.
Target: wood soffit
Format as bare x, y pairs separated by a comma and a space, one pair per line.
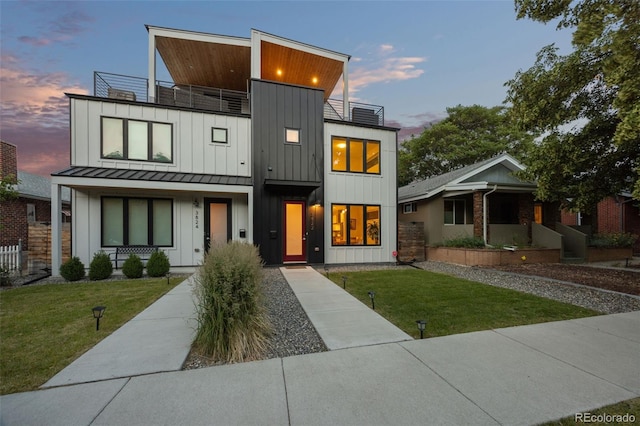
226, 66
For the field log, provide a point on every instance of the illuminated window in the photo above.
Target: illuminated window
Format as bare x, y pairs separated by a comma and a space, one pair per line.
136, 140
292, 135
355, 155
355, 225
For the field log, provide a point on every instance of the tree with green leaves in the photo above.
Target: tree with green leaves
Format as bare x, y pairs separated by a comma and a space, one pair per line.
7, 188
469, 134
586, 103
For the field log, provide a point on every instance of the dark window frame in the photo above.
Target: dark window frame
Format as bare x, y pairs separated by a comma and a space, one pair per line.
125, 140
226, 135
365, 145
125, 220
348, 220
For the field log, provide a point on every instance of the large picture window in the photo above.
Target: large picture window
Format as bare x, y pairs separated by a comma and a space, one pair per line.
355, 225
127, 139
137, 221
355, 155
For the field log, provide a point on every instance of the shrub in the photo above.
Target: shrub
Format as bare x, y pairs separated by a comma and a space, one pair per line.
158, 264
232, 319
465, 242
100, 267
133, 267
72, 269
612, 240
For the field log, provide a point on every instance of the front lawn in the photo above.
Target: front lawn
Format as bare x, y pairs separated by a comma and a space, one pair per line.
450, 305
44, 328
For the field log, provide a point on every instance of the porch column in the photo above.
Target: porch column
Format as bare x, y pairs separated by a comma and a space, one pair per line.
477, 214
56, 228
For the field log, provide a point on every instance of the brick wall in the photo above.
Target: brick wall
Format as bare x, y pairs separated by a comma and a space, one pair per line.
13, 220
411, 241
8, 159
477, 215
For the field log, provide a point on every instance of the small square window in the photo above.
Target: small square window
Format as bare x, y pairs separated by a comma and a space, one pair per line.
292, 135
218, 135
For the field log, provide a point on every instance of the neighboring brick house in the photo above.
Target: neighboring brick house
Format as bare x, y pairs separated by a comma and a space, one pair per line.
32, 205
619, 214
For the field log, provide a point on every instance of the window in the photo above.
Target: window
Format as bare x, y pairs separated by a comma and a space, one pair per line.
31, 213
218, 135
292, 135
136, 140
355, 225
355, 155
409, 208
137, 221
454, 212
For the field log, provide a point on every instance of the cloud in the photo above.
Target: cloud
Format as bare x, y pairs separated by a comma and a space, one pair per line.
61, 28
34, 112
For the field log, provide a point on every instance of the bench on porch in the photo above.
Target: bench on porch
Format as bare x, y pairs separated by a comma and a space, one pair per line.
122, 253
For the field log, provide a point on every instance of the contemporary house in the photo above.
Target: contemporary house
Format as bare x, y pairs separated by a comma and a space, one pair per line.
246, 143
483, 200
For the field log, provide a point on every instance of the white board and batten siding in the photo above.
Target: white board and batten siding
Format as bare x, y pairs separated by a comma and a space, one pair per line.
359, 188
193, 149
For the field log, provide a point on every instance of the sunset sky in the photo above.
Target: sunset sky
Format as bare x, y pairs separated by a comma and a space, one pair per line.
415, 58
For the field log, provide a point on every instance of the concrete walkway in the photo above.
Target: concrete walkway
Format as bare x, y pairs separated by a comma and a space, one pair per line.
513, 376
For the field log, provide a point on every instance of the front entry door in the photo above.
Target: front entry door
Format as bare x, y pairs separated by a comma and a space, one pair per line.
217, 222
295, 239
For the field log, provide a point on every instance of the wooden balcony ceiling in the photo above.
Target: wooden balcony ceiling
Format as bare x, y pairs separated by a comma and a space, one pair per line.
227, 66
200, 63
287, 65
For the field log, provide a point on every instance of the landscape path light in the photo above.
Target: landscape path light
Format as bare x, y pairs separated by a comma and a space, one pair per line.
98, 312
372, 296
421, 326
344, 282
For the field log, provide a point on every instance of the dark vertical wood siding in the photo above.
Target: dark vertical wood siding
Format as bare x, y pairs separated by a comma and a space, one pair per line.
276, 107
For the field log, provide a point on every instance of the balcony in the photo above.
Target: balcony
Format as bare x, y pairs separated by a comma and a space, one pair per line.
117, 86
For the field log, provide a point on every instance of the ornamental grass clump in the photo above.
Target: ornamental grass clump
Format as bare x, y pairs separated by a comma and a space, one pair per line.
232, 320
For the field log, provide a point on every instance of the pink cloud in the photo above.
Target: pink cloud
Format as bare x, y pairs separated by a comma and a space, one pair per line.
34, 112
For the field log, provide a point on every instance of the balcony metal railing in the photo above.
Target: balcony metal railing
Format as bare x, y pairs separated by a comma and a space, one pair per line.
117, 86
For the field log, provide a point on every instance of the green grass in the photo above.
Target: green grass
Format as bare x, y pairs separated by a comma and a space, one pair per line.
451, 305
630, 407
44, 328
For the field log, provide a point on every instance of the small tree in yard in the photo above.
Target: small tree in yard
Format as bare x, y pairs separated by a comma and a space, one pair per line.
158, 264
133, 267
100, 267
232, 321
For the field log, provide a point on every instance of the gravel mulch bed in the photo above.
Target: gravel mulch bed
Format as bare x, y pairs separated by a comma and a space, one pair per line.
588, 297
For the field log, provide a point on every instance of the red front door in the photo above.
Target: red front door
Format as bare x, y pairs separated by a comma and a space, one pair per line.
295, 239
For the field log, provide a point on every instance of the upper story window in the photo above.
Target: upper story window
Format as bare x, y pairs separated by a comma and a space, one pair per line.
355, 155
219, 135
127, 139
292, 135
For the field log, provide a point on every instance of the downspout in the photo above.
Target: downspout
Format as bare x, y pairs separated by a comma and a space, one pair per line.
484, 213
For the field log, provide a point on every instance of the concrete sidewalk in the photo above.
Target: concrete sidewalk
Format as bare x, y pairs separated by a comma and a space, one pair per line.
341, 320
156, 340
512, 376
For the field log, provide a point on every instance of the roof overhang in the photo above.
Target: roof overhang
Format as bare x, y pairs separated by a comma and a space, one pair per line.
224, 62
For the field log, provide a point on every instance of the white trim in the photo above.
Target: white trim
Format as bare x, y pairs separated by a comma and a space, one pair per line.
152, 185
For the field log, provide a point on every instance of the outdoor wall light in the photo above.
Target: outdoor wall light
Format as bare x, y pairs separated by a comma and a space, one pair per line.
372, 296
98, 312
421, 326
344, 282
